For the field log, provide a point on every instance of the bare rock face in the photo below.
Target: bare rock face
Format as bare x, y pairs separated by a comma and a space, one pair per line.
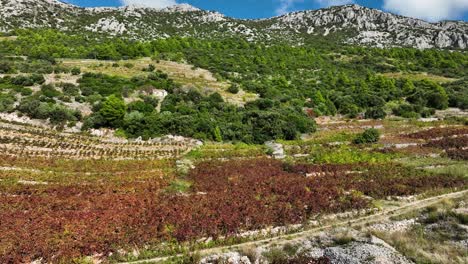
377, 28
357, 253
349, 23
276, 149
231, 258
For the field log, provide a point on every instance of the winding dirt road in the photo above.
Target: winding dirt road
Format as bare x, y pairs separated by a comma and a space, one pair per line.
380, 216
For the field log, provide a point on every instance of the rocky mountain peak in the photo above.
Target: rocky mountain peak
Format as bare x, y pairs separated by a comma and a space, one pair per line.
352, 24
181, 8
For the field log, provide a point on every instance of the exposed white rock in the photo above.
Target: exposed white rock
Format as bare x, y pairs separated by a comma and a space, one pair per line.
230, 257
356, 253
395, 226
110, 25
277, 150
181, 8
372, 27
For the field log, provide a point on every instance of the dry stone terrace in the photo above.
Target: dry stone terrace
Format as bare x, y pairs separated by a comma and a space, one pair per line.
18, 140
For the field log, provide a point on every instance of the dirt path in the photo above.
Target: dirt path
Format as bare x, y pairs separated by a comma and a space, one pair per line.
370, 219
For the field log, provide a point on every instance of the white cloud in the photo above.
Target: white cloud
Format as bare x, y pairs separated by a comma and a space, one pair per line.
286, 6
150, 3
327, 3
432, 10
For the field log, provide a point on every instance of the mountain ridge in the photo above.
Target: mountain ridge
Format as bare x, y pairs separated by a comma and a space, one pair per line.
351, 24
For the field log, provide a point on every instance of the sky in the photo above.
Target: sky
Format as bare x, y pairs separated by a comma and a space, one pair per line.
430, 10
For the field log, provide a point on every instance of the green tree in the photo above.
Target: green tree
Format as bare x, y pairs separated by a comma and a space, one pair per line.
113, 111
217, 134
438, 98
375, 113
408, 87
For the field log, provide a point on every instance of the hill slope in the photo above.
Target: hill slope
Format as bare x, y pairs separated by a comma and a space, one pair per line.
350, 24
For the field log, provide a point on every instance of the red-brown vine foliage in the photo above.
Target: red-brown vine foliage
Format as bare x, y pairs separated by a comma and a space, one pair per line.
458, 154
57, 223
439, 132
455, 147
449, 143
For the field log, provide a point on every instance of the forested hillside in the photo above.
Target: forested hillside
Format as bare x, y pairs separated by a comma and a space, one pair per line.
295, 84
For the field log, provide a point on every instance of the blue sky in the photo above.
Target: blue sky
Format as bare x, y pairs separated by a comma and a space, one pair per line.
432, 10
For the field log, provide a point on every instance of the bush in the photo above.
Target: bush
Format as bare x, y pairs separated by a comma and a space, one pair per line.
150, 68
7, 102
49, 91
234, 89
22, 80
24, 91
406, 110
5, 67
75, 71
37, 78
57, 114
140, 106
60, 69
70, 89
370, 135
375, 113
350, 110
150, 100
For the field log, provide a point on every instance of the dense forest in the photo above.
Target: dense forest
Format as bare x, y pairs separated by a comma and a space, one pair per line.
294, 85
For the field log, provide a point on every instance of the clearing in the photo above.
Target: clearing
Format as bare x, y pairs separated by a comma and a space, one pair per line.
419, 76
185, 74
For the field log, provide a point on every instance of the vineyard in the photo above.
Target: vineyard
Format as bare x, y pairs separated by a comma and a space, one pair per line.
65, 218
66, 196
22, 141
454, 142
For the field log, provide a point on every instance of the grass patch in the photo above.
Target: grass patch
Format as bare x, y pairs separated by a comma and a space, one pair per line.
182, 73
455, 170
8, 38
419, 76
224, 151
348, 155
434, 239
180, 186
343, 239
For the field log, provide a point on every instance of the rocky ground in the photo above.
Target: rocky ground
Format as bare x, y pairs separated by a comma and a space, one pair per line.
341, 246
443, 239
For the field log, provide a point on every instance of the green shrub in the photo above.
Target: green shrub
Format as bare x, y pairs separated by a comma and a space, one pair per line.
343, 239
150, 68
57, 114
75, 71
7, 102
370, 135
140, 106
406, 110
22, 80
234, 89
375, 113
70, 89
49, 91
5, 67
